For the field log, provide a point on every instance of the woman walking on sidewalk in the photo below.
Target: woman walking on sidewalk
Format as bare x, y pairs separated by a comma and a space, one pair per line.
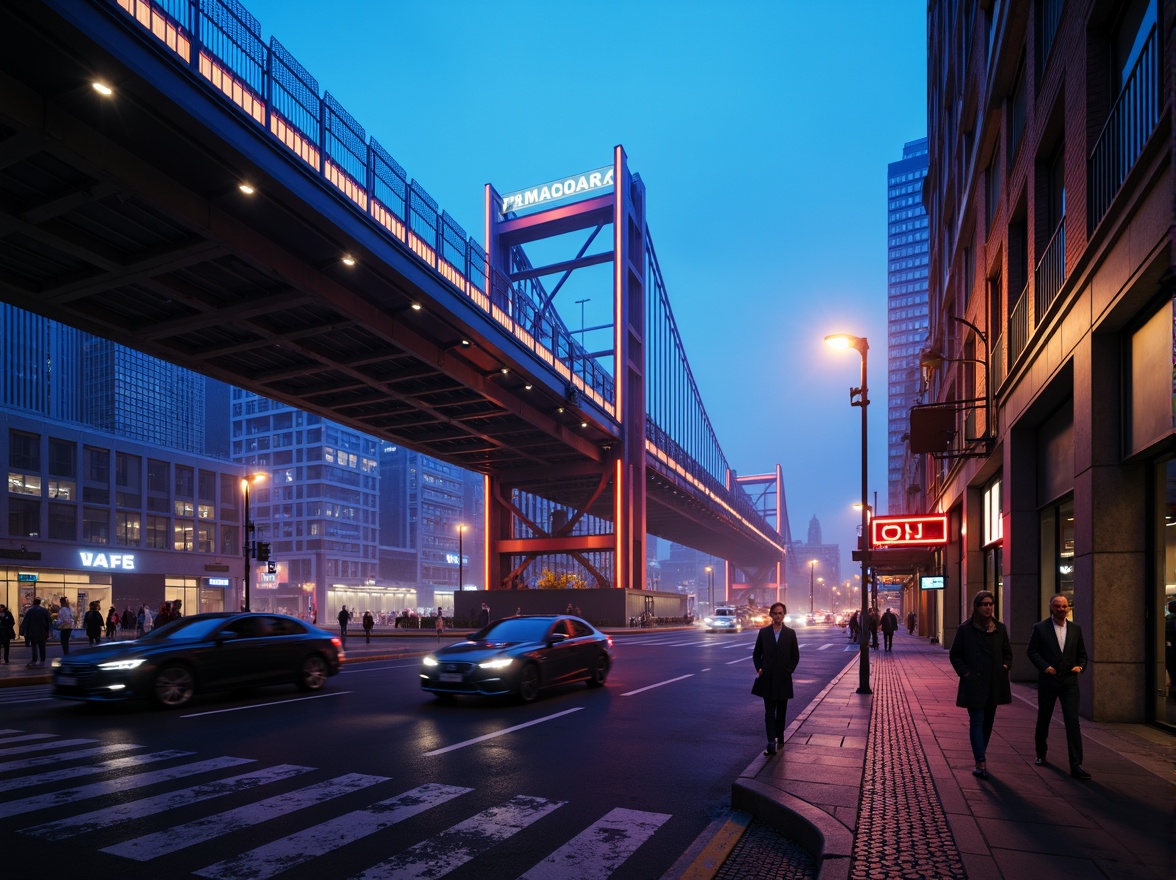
981, 655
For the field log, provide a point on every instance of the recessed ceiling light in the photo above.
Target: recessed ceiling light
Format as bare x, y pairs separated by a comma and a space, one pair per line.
528, 386
465, 343
416, 307
583, 424
102, 88
504, 370
348, 260
246, 189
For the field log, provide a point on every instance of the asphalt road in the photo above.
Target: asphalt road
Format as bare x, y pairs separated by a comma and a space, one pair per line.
375, 778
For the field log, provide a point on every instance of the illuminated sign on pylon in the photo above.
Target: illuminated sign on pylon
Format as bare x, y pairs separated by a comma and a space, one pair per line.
927, 530
577, 184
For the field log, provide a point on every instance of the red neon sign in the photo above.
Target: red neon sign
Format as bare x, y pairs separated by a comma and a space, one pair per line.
927, 530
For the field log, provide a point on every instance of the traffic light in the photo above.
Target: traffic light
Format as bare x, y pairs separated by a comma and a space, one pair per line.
263, 551
271, 567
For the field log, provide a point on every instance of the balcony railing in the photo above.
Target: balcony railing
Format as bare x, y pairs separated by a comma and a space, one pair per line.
1129, 124
1051, 271
1019, 327
997, 362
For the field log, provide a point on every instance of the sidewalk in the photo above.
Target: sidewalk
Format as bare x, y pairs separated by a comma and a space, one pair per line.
881, 786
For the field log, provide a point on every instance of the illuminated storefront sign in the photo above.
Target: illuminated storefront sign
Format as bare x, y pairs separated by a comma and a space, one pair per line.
218, 582
577, 184
26, 577
124, 561
908, 531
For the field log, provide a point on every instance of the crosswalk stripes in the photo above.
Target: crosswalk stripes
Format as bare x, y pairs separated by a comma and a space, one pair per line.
592, 854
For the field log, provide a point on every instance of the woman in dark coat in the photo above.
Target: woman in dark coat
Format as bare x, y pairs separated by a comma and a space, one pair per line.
775, 656
981, 655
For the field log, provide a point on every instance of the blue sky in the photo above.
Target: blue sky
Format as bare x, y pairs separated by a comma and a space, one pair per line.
761, 130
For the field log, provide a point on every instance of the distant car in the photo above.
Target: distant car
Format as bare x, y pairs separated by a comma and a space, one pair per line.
521, 656
200, 654
811, 619
723, 620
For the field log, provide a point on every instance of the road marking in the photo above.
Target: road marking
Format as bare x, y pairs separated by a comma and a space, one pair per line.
281, 855
56, 744
455, 846
265, 705
162, 843
28, 763
69, 773
659, 684
506, 730
151, 806
379, 668
738, 660
115, 786
598, 850
824, 646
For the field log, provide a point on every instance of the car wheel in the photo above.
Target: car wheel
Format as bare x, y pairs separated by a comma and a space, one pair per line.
528, 688
174, 686
313, 675
599, 672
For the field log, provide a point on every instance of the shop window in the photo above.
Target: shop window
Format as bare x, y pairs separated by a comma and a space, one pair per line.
1057, 554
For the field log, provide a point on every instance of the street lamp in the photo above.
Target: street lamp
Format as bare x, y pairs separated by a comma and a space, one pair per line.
247, 481
812, 569
710, 587
862, 393
461, 527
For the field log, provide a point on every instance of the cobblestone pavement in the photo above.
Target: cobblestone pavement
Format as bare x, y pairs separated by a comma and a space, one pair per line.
765, 854
902, 828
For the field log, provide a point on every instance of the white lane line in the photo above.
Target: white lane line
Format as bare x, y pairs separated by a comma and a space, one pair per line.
151, 806
162, 843
746, 659
265, 705
600, 849
69, 773
115, 786
824, 646
506, 730
281, 855
29, 763
455, 846
378, 668
659, 684
57, 744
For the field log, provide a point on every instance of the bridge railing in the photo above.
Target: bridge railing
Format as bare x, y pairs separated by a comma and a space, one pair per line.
222, 42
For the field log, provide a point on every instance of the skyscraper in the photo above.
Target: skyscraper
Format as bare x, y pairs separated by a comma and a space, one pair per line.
906, 294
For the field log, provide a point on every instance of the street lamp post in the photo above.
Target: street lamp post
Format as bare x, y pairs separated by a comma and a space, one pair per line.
812, 570
461, 527
247, 481
710, 587
862, 346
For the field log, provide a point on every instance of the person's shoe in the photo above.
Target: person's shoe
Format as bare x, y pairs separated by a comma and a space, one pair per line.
770, 750
980, 773
30, 665
1039, 761
779, 743
1078, 773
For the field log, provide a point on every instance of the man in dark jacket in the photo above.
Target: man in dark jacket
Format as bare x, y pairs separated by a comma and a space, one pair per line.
889, 625
35, 628
1057, 650
775, 657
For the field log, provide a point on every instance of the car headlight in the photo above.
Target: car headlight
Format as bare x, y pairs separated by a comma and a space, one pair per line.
133, 663
709, 621
56, 662
428, 660
497, 663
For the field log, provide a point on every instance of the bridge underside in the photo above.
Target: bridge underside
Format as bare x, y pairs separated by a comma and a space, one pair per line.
123, 217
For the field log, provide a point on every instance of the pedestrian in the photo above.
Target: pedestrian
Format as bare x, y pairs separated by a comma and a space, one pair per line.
368, 623
981, 655
484, 616
440, 622
163, 616
128, 620
35, 627
112, 622
7, 632
93, 623
889, 626
176, 614
872, 622
855, 626
1057, 650
775, 656
910, 621
65, 624
344, 617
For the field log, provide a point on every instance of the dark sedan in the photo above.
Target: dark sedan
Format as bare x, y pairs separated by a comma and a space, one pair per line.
199, 654
520, 656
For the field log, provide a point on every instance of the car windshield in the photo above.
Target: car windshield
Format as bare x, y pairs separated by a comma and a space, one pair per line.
185, 628
514, 629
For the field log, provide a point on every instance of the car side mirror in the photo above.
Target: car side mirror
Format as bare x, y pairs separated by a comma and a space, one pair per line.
552, 638
226, 635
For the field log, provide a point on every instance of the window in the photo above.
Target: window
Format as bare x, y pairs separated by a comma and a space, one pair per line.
157, 477
185, 535
207, 486
206, 537
229, 492
63, 522
24, 484
1017, 111
1057, 553
63, 490
992, 188
96, 465
24, 518
126, 528
158, 532
1049, 16
63, 458
24, 451
1127, 44
184, 481
127, 479
95, 525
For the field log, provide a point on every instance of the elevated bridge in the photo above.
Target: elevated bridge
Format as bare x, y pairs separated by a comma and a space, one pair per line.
171, 181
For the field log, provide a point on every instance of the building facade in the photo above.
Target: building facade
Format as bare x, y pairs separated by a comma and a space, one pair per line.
907, 246
1051, 443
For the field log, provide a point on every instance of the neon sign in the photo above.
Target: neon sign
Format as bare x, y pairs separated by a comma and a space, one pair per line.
533, 197
125, 561
927, 530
